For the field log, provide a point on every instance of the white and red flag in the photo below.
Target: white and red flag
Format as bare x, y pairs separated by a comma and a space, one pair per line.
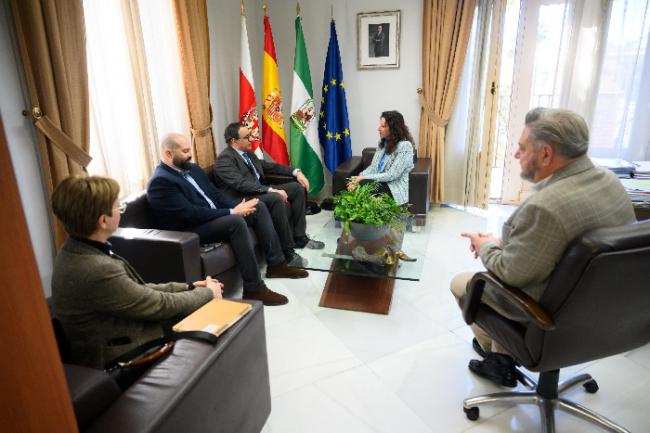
247, 102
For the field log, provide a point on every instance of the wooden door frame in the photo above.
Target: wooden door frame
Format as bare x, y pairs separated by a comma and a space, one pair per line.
33, 384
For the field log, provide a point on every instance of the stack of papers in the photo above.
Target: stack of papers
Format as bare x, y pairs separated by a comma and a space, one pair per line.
638, 190
642, 169
620, 167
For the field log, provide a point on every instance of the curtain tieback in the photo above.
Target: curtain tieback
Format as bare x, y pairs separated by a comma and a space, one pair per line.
201, 132
59, 138
429, 110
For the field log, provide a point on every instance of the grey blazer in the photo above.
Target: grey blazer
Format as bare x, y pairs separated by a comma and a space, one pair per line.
396, 170
578, 198
101, 301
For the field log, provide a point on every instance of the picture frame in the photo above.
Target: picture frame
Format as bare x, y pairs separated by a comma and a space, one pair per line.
378, 39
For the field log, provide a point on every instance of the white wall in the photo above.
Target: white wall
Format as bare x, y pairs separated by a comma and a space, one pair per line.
22, 148
369, 92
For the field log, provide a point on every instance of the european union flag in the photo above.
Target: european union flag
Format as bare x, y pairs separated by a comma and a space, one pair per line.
333, 125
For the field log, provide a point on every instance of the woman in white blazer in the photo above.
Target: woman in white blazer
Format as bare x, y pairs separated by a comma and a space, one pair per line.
393, 160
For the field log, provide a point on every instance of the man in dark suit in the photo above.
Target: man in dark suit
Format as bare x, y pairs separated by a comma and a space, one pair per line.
183, 198
240, 173
379, 43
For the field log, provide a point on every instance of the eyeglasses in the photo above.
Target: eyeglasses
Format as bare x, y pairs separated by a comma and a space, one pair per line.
247, 138
121, 208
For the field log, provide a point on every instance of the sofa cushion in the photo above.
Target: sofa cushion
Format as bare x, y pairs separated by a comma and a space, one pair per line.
221, 257
217, 260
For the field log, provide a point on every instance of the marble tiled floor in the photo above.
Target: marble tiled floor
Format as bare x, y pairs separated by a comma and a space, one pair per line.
335, 371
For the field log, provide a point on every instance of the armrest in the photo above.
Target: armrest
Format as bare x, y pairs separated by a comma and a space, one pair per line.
92, 392
351, 167
515, 297
419, 187
160, 256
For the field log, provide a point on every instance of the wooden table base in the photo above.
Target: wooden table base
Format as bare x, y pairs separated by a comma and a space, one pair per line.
349, 292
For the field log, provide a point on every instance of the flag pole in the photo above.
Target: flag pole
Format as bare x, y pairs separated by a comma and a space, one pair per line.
242, 8
266, 6
332, 11
298, 8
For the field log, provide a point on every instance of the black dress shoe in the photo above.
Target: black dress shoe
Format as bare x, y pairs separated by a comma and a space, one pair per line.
478, 349
295, 259
498, 367
309, 243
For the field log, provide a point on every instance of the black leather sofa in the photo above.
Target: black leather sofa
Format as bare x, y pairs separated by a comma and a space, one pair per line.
199, 387
418, 181
163, 255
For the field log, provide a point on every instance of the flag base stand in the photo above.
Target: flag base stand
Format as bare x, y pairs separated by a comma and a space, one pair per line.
327, 204
312, 208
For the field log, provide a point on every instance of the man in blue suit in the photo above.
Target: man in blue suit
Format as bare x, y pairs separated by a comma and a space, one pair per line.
183, 198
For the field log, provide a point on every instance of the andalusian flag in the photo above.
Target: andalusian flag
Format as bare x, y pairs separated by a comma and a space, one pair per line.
247, 102
273, 138
304, 136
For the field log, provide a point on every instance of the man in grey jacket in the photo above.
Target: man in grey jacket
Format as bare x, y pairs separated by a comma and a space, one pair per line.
104, 306
241, 174
572, 196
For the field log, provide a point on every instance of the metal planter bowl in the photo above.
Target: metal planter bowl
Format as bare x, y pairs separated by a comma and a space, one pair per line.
367, 232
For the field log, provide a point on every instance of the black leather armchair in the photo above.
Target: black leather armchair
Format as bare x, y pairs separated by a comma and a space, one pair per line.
418, 181
595, 305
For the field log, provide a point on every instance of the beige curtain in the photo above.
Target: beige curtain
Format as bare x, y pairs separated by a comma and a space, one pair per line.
194, 41
483, 103
446, 30
143, 96
51, 41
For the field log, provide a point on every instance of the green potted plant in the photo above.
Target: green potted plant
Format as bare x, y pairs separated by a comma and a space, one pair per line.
367, 215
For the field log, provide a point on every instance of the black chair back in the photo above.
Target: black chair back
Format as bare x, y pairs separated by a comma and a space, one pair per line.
598, 297
138, 214
366, 156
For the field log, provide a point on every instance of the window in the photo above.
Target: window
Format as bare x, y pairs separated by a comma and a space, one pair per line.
620, 122
586, 56
135, 87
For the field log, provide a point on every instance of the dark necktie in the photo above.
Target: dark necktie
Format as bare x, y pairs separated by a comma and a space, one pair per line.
251, 167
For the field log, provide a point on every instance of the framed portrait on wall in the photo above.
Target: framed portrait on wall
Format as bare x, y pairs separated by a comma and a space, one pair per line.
378, 36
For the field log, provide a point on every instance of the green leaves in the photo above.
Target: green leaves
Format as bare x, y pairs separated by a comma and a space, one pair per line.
364, 205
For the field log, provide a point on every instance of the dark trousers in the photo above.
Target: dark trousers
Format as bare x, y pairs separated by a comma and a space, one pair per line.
382, 187
233, 229
289, 225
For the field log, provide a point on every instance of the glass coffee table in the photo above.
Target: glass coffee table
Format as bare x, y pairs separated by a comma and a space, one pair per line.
362, 273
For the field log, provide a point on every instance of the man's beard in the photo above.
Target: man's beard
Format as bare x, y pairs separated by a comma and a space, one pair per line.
182, 163
529, 175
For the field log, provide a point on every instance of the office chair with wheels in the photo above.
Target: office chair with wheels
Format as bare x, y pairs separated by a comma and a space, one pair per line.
595, 305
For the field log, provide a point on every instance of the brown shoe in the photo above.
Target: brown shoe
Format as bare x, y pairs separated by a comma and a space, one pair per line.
281, 270
266, 295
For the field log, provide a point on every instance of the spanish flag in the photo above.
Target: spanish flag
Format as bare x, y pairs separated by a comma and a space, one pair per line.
273, 135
